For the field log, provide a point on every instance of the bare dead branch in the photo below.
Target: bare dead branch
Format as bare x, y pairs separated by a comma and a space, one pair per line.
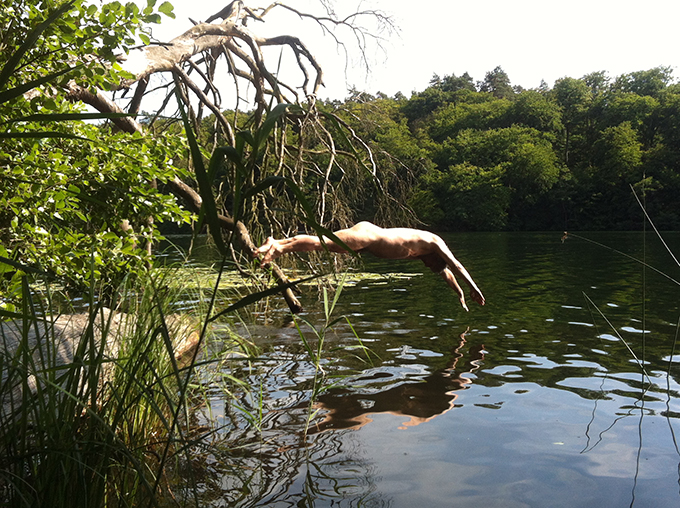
300, 50
232, 10
136, 102
350, 22
204, 100
101, 103
209, 81
194, 201
207, 36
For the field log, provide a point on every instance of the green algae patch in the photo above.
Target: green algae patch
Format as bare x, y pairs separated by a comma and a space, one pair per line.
206, 277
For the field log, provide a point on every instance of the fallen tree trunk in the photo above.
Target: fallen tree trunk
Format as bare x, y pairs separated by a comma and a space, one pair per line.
34, 355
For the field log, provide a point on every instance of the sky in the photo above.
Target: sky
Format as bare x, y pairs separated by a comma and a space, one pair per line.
532, 40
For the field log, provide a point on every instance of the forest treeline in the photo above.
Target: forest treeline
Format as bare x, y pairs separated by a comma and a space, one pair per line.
489, 156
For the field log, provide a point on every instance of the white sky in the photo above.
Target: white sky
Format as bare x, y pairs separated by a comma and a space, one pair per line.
532, 40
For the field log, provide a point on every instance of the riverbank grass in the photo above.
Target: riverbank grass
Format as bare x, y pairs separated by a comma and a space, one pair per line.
99, 428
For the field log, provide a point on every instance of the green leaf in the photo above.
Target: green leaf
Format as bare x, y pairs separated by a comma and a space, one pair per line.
131, 9
15, 92
247, 137
11, 315
41, 135
62, 117
309, 216
22, 267
167, 8
230, 153
274, 115
262, 185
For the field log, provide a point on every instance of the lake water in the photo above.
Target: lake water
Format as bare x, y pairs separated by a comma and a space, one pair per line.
537, 399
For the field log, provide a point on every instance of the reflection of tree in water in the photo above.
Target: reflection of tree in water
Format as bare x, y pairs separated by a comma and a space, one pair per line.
328, 469
281, 467
421, 401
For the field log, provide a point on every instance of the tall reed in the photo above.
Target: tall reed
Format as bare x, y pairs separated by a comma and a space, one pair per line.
98, 421
315, 347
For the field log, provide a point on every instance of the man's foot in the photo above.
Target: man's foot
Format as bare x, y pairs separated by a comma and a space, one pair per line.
477, 296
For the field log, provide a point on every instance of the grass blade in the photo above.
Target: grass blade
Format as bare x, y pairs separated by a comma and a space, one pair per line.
256, 297
204, 186
13, 93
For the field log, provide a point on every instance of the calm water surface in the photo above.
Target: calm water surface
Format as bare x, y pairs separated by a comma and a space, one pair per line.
537, 399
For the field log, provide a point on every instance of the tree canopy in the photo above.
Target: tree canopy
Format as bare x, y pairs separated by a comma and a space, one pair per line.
567, 157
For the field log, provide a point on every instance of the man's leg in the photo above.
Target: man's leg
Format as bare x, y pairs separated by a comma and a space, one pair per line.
453, 284
456, 268
437, 264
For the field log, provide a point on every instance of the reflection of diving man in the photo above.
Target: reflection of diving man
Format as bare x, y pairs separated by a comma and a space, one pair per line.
392, 243
421, 401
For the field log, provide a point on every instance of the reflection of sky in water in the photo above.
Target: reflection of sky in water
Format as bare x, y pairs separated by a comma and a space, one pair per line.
539, 404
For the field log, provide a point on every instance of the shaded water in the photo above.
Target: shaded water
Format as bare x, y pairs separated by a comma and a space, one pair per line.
531, 401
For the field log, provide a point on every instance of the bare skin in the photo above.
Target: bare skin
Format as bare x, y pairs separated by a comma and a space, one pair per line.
391, 243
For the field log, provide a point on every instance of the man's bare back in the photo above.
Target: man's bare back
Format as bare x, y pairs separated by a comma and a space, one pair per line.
386, 243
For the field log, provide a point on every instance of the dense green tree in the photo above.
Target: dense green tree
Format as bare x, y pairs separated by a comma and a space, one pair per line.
64, 200
644, 83
441, 92
605, 197
534, 109
567, 156
598, 82
463, 197
640, 111
455, 83
497, 83
423, 104
574, 98
518, 159
75, 197
661, 162
479, 111
529, 163
619, 154
397, 159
